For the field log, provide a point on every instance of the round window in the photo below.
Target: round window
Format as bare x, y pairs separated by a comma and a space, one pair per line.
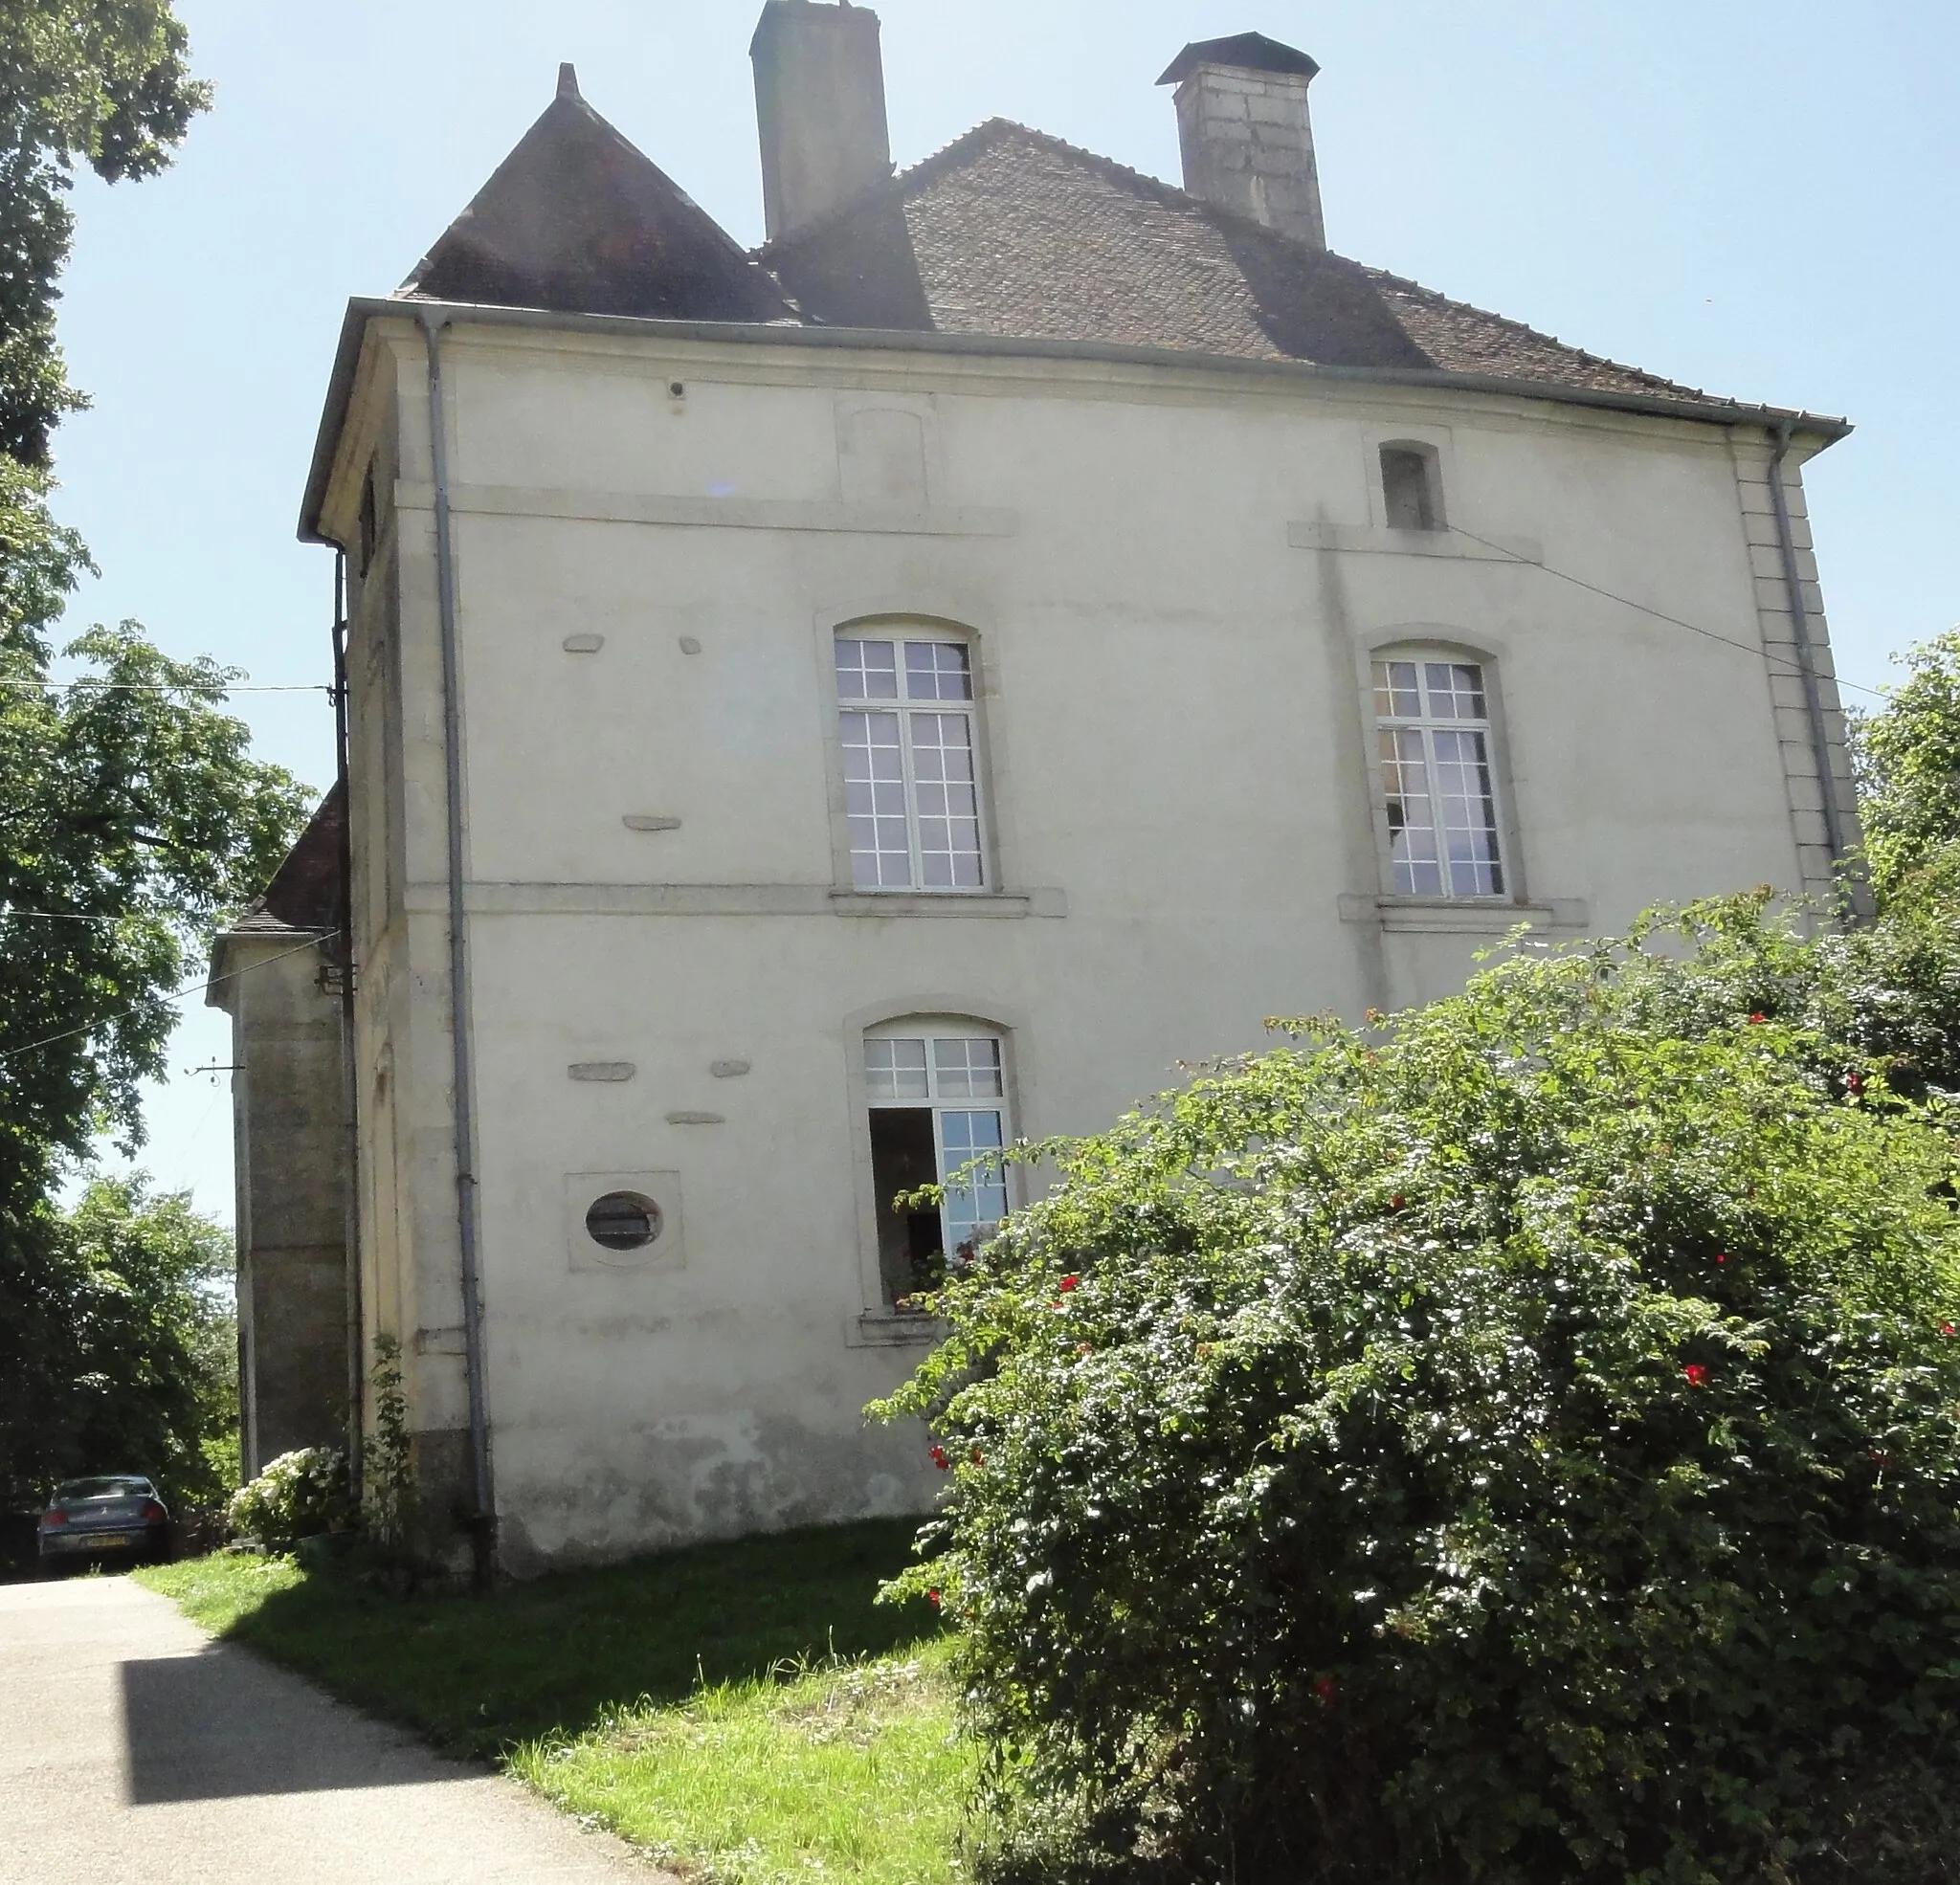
623, 1220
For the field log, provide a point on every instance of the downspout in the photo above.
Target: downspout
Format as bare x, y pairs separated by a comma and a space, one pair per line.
350, 1083
483, 1520
1800, 626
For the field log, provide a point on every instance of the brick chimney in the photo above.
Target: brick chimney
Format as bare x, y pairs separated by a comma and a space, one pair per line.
819, 105
1248, 141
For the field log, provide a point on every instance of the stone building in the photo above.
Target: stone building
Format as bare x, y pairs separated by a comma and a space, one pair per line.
276, 972
818, 714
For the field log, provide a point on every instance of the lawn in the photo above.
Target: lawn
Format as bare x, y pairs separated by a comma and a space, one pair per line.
744, 1711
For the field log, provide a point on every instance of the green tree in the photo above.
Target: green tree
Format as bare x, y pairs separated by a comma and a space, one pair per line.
1908, 756
134, 1365
131, 813
1516, 1441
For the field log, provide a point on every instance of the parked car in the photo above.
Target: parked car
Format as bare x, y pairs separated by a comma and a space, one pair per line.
116, 1515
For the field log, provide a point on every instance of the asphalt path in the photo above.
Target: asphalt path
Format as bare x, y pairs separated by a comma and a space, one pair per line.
135, 1749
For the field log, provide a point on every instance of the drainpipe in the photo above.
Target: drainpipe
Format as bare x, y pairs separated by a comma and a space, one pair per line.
483, 1522
1800, 626
350, 1083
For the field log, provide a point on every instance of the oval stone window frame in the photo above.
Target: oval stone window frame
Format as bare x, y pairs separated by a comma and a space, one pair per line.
623, 1222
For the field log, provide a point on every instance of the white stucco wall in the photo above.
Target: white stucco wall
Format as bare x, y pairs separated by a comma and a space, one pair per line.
1173, 578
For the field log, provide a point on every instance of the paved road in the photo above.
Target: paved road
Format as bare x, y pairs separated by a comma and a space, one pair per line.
133, 1749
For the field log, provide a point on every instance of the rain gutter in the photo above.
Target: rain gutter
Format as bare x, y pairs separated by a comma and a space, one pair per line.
1800, 634
483, 1520
1292, 373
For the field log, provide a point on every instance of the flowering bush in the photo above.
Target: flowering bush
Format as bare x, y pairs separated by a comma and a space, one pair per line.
297, 1495
1519, 1442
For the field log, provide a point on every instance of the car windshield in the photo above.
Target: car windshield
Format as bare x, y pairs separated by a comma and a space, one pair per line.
71, 1490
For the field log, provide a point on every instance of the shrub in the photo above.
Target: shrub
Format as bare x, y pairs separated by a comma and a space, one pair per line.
299, 1495
1519, 1442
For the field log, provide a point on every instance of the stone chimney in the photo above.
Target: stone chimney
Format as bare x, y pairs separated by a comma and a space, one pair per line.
819, 105
1248, 141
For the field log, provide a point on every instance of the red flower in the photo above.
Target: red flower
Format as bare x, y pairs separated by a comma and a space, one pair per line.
1854, 1082
1948, 1330
1395, 1203
1722, 1256
1069, 1283
932, 1598
1324, 1687
1086, 1348
1697, 1374
1757, 1019
976, 1456
941, 1460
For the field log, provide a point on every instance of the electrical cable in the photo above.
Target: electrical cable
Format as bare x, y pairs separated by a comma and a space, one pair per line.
176, 995
170, 686
1661, 615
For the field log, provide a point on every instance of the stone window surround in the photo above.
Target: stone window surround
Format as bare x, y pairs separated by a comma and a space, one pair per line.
1447, 641
877, 1325
884, 618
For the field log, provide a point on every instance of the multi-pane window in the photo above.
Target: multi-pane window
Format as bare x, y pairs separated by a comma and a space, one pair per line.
938, 1114
911, 773
1433, 737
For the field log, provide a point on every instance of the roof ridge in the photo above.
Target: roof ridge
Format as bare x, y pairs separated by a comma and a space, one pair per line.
1659, 381
982, 136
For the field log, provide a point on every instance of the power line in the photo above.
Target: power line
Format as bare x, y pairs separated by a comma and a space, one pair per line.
176, 995
170, 686
66, 916
1661, 615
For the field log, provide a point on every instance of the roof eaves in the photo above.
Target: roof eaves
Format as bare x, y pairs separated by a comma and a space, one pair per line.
1656, 405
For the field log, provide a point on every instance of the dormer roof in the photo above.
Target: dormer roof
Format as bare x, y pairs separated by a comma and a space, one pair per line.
577, 220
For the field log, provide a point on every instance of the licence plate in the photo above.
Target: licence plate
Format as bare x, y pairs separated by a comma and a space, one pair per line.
110, 1540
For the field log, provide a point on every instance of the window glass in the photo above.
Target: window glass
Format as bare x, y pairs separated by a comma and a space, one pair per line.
927, 1128
896, 1069
911, 779
1434, 748
867, 671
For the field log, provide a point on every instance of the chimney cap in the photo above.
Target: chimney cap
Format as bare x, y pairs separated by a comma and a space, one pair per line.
1246, 51
568, 80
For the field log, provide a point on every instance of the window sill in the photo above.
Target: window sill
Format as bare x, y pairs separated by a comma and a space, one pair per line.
886, 1328
996, 904
1466, 916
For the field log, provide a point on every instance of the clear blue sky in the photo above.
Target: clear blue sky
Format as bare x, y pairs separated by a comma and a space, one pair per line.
1751, 197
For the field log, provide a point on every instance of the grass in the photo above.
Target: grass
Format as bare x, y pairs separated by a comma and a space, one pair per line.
744, 1711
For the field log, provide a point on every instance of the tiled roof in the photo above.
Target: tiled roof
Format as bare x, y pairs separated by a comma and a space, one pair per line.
1012, 233
305, 893
577, 220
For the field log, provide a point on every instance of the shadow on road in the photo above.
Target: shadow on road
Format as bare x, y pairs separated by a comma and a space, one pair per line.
218, 1725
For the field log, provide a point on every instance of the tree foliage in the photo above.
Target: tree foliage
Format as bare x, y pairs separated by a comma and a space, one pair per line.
131, 817
1908, 770
122, 1345
131, 814
101, 83
1518, 1440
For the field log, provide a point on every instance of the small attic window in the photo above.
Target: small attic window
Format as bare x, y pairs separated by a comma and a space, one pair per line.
1411, 487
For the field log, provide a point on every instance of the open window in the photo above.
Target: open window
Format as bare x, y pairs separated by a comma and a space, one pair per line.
1435, 742
1412, 486
937, 1090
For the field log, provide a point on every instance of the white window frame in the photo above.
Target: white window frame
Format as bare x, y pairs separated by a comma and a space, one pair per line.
904, 709
932, 1030
1426, 726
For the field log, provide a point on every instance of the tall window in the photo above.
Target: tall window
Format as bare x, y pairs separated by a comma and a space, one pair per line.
938, 1104
1432, 729
911, 778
